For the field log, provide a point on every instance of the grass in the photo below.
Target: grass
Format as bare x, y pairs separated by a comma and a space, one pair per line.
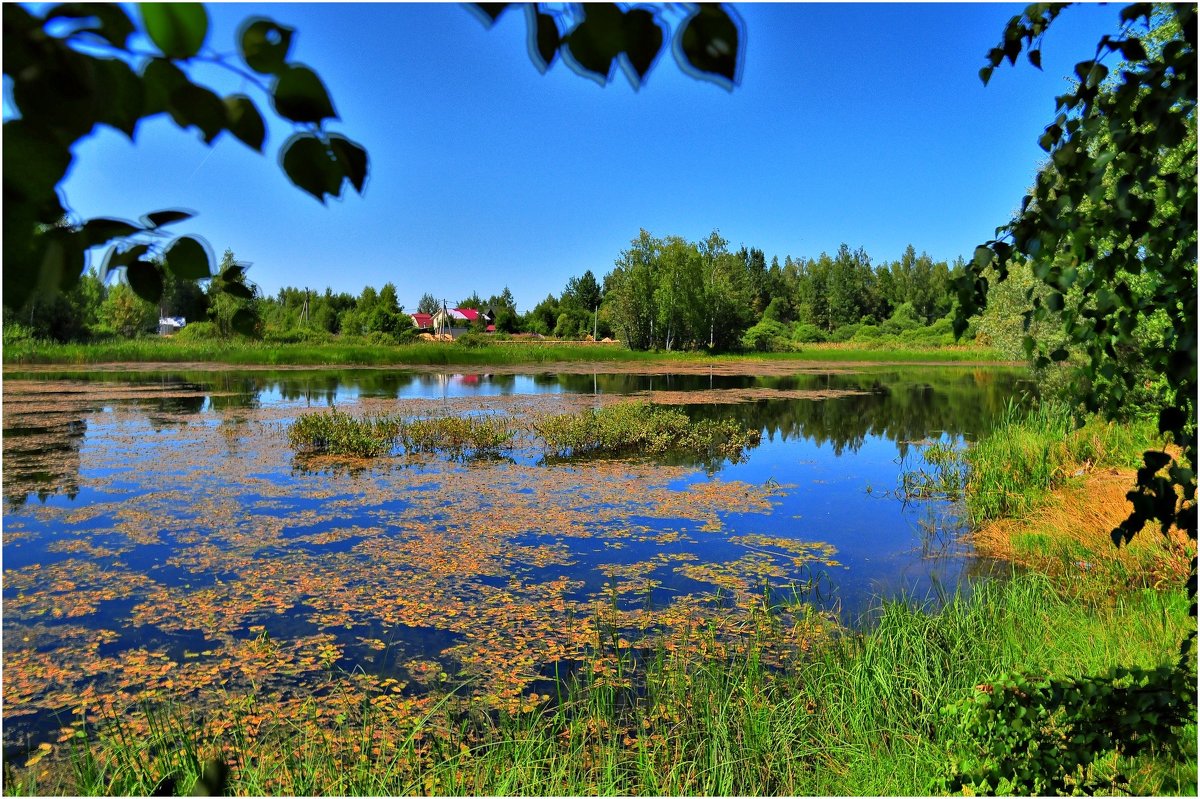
636, 427
857, 715
343, 352
1033, 453
641, 428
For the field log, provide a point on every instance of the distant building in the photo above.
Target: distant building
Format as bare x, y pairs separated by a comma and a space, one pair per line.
423, 321
456, 321
170, 325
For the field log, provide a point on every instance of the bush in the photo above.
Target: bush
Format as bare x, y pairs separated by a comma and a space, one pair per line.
843, 333
380, 338
766, 336
806, 333
199, 331
867, 333
471, 340
15, 332
904, 318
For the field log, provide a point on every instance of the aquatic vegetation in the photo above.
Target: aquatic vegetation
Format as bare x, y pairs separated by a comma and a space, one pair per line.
336, 432
641, 428
618, 429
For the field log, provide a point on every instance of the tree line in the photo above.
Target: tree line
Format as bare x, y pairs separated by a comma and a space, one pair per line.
662, 293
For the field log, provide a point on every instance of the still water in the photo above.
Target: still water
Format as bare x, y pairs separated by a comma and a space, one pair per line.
158, 530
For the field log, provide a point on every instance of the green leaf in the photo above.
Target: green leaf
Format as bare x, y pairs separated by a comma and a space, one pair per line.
353, 160
112, 24
985, 74
597, 40
489, 12
195, 105
103, 230
244, 121
710, 43
238, 289
34, 163
177, 29
188, 258
159, 79
120, 96
1059, 354
983, 256
167, 217
1035, 58
145, 280
306, 161
544, 38
115, 258
643, 40
299, 95
265, 44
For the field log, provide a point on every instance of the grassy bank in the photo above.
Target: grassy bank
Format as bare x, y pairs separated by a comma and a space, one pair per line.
859, 715
164, 350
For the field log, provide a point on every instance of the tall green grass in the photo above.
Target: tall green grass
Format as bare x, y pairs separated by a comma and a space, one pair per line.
1031, 453
343, 352
859, 715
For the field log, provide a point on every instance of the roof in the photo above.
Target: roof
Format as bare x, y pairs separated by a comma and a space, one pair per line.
470, 314
422, 320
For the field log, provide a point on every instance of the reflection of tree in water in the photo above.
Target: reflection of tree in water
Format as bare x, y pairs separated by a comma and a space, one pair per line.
42, 460
894, 406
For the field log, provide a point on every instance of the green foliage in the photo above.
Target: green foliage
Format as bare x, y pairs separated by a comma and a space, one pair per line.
767, 336
807, 333
459, 436
593, 37
71, 68
127, 313
1112, 215
338, 433
471, 341
1028, 454
1034, 735
199, 331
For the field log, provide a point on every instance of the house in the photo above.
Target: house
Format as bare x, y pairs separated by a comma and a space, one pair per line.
423, 321
169, 325
456, 321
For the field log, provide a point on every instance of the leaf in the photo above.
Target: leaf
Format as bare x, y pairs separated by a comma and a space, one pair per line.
983, 256
34, 163
244, 121
159, 79
1035, 58
195, 105
985, 74
145, 280
115, 258
710, 43
103, 230
120, 95
177, 29
1131, 12
597, 40
306, 161
112, 23
1059, 354
490, 11
544, 39
643, 40
167, 217
237, 289
299, 95
353, 160
188, 258
265, 44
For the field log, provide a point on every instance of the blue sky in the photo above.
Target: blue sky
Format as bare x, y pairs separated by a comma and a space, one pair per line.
857, 123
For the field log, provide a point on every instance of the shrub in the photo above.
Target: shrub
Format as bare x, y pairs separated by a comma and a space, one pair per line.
806, 333
867, 333
471, 340
766, 336
199, 331
843, 333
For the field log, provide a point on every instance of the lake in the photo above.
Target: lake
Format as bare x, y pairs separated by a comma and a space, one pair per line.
162, 541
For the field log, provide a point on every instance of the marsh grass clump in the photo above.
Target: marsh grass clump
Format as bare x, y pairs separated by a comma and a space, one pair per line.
458, 435
643, 429
940, 474
1032, 453
338, 433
